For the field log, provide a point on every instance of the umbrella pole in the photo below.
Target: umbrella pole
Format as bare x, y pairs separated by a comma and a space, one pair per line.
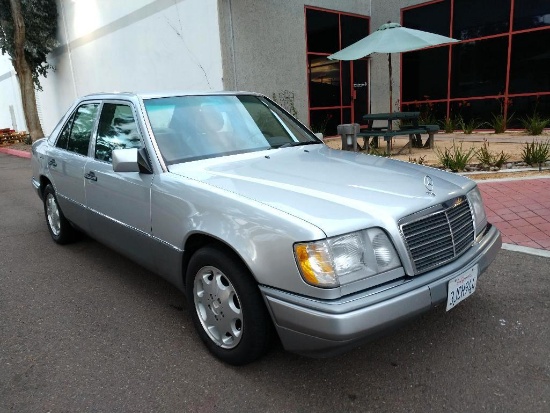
391, 88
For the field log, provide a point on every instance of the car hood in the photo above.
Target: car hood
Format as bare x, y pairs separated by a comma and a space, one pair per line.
337, 191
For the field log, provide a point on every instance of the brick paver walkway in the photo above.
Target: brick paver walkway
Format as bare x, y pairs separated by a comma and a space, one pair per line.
520, 209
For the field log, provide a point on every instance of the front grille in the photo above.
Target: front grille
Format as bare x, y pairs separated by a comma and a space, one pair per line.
440, 237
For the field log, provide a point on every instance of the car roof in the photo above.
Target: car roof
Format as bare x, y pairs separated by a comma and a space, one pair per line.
156, 95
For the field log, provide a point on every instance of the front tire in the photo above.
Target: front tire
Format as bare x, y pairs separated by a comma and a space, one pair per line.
226, 307
59, 227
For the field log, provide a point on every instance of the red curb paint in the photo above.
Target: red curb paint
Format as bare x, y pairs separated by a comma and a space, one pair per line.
15, 152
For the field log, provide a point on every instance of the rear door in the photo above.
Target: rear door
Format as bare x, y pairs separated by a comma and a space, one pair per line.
67, 159
118, 203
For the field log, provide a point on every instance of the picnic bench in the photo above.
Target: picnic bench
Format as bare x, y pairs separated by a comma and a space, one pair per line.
413, 129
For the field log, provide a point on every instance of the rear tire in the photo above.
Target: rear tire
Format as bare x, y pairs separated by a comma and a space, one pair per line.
226, 307
59, 227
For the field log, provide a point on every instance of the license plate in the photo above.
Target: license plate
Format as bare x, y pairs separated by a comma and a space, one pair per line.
461, 287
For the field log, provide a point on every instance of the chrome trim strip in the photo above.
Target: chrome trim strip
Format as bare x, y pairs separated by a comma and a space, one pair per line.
130, 227
57, 194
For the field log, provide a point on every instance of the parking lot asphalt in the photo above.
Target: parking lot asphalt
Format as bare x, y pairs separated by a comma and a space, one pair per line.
84, 329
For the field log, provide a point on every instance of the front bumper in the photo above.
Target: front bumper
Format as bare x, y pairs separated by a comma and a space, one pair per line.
325, 327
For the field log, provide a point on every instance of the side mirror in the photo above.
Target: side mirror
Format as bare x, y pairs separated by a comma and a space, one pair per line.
130, 160
319, 135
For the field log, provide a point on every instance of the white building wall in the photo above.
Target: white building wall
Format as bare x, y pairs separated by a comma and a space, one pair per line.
264, 44
138, 45
10, 97
144, 45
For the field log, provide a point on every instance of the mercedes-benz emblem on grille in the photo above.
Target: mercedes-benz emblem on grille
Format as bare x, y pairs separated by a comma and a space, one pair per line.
429, 184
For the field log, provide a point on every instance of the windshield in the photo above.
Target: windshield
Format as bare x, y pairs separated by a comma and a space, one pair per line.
188, 128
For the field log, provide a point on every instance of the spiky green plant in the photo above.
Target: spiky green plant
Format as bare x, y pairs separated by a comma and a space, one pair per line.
486, 157
499, 122
536, 153
448, 125
534, 125
455, 158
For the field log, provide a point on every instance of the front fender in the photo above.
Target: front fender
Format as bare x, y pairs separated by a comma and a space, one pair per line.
261, 235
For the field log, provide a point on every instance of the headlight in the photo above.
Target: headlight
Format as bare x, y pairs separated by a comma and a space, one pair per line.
476, 203
346, 258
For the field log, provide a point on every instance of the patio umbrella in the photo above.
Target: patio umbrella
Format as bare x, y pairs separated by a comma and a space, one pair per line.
391, 38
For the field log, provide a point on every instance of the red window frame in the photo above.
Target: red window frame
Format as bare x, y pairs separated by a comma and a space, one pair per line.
341, 107
506, 96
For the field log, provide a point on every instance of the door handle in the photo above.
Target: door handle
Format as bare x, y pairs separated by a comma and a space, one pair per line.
52, 163
91, 176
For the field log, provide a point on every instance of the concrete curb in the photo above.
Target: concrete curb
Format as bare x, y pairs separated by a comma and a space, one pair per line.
526, 250
15, 152
524, 178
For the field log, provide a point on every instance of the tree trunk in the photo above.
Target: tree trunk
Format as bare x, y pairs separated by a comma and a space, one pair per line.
24, 73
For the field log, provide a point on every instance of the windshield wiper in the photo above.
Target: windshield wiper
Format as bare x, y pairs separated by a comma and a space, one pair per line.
290, 144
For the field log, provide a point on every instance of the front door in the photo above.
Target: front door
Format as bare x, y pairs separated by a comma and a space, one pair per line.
119, 210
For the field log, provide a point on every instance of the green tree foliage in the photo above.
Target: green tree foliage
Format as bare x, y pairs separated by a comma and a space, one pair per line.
27, 34
40, 18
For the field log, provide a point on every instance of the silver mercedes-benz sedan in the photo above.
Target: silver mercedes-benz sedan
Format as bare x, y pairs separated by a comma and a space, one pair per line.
266, 230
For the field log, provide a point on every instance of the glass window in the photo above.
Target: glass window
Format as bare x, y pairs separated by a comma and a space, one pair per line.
425, 74
434, 18
324, 81
480, 112
478, 18
431, 113
75, 136
338, 85
479, 68
322, 31
360, 87
211, 126
325, 121
346, 118
530, 62
531, 13
345, 77
117, 129
63, 138
353, 29
521, 107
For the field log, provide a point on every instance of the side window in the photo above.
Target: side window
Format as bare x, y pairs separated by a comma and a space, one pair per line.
117, 130
64, 135
75, 136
